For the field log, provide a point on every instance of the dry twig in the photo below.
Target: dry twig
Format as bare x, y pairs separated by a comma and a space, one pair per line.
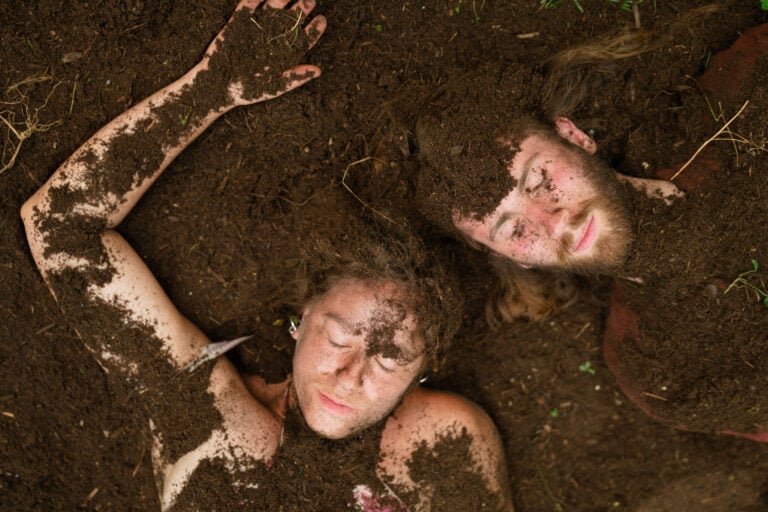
709, 140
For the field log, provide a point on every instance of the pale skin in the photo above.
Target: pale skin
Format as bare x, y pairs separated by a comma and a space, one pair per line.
358, 389
342, 390
550, 219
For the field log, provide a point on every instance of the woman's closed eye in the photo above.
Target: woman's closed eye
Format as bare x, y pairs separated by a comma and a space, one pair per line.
388, 364
335, 344
336, 338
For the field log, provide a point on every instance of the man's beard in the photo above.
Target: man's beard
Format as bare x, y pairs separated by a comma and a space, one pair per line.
615, 236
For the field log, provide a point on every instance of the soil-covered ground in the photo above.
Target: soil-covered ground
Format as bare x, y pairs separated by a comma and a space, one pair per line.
218, 229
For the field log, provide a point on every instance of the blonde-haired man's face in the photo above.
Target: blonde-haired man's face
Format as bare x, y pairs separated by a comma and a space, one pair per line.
566, 211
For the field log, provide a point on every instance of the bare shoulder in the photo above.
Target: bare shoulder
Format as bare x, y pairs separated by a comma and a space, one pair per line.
427, 415
444, 452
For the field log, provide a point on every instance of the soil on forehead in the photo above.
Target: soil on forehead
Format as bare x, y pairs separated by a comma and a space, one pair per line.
387, 324
221, 227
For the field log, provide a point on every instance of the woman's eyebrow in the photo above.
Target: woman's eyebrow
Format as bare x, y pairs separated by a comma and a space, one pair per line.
395, 351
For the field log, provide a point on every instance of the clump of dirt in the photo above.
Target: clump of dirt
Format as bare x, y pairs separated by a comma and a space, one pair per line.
307, 473
700, 350
464, 491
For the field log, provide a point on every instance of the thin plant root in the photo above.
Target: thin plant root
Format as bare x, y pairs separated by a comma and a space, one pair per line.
19, 130
344, 183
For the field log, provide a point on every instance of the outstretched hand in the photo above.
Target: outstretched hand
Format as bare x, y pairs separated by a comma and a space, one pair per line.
259, 52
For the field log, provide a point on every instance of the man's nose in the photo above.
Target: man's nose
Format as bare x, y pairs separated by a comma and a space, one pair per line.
351, 370
554, 222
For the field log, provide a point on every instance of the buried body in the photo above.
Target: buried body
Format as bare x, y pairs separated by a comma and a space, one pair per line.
530, 191
376, 317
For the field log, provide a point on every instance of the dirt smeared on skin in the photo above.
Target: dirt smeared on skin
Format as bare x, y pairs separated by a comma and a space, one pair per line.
137, 366
466, 489
251, 55
385, 325
200, 230
308, 473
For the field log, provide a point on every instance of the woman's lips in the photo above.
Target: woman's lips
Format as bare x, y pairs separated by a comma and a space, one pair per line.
334, 406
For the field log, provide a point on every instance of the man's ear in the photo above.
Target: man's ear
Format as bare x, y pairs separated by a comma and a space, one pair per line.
570, 132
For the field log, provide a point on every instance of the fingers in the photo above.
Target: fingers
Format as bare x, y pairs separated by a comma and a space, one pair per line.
276, 4
251, 5
305, 6
297, 77
315, 29
300, 75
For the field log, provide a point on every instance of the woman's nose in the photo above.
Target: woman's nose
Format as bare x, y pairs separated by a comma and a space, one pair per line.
351, 370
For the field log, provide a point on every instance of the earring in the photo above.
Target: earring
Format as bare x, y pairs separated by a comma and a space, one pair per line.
423, 379
293, 324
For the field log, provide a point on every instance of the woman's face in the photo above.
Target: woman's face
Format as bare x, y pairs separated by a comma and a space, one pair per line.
357, 354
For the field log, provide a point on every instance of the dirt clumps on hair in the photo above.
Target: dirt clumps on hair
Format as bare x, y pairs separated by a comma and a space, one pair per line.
463, 163
377, 251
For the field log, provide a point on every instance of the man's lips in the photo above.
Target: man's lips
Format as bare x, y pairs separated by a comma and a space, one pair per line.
334, 406
587, 237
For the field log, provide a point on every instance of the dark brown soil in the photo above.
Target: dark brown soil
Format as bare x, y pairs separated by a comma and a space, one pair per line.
220, 224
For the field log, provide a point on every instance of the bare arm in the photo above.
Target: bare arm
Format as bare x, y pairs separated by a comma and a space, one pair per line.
69, 220
110, 296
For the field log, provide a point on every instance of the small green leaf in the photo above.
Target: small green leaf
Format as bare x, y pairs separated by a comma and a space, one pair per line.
554, 412
764, 5
754, 265
587, 368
